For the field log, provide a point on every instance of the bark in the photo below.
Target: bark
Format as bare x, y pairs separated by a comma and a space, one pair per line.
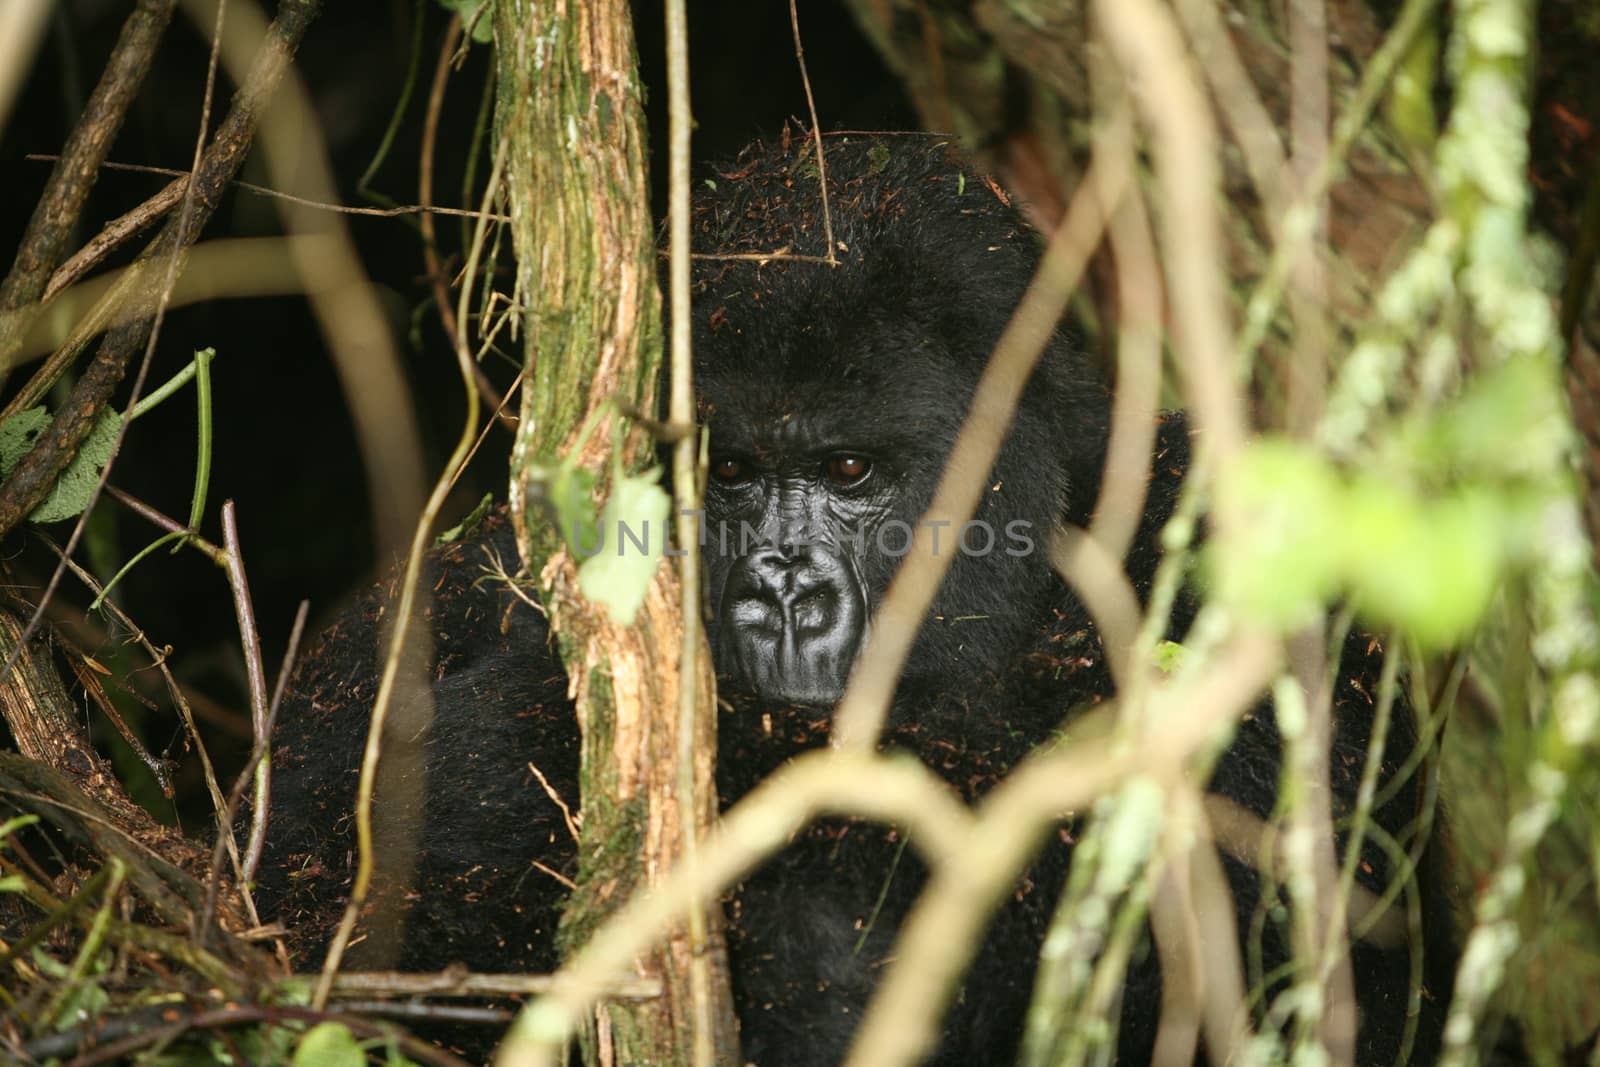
570, 115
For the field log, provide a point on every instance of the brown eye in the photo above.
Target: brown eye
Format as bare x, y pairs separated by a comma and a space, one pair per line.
727, 470
848, 470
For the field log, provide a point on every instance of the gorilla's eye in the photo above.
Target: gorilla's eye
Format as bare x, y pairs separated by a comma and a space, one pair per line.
848, 469
727, 470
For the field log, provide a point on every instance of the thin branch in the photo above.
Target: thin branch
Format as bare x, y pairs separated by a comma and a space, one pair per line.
813, 784
1295, 233
111, 237
1146, 42
944, 928
765, 257
301, 201
144, 1030
816, 132
1239, 104
460, 983
686, 477
250, 641
1119, 508
430, 246
259, 750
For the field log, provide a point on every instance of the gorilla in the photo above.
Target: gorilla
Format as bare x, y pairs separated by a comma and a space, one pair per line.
833, 395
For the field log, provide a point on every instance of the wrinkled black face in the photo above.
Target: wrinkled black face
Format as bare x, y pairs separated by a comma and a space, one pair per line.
788, 535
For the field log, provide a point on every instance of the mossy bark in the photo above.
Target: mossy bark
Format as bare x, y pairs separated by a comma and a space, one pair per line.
571, 120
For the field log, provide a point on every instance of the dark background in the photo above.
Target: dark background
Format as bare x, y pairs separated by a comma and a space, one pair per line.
283, 445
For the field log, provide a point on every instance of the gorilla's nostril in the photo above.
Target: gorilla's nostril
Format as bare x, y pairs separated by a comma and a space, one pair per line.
813, 609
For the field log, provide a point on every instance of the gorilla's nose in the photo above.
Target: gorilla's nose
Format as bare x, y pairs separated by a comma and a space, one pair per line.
780, 589
790, 621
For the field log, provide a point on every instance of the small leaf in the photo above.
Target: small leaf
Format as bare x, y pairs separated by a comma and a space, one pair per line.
329, 1045
17, 435
569, 493
467, 526
70, 495
635, 521
477, 16
1429, 567
1280, 566
1169, 656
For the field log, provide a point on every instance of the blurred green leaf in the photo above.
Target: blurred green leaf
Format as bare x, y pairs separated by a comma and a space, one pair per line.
1278, 567
1429, 567
329, 1045
619, 575
477, 16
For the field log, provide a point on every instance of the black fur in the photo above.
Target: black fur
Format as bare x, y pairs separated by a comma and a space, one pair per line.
876, 357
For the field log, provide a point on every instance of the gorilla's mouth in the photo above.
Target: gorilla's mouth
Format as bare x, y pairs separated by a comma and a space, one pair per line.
791, 624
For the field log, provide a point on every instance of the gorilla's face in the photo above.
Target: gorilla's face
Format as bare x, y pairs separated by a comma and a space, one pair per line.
833, 395
790, 598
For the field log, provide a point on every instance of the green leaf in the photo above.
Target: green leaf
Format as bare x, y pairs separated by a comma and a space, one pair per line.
635, 522
477, 16
569, 493
1281, 565
1428, 566
17, 436
70, 495
85, 1000
1169, 656
329, 1045
467, 526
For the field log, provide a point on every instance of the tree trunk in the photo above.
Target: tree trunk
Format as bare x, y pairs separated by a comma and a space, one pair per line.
570, 116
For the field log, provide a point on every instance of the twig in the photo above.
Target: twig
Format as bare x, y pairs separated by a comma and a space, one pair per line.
208, 771
1239, 104
779, 256
229, 811
816, 132
111, 237
159, 519
815, 783
127, 225
499, 415
943, 929
140, 1031
250, 641
1100, 582
460, 983
1308, 369
686, 478
1145, 41
1119, 508
1414, 17
430, 245
176, 188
